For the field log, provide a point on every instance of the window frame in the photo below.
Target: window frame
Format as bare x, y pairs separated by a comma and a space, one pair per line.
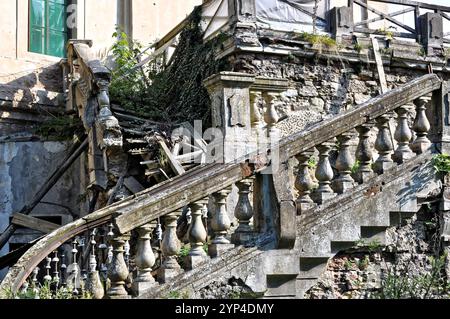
47, 30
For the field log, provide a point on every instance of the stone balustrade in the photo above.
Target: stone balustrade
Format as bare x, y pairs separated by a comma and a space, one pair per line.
130, 256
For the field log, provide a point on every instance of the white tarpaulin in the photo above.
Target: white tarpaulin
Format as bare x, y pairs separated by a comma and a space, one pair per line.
291, 15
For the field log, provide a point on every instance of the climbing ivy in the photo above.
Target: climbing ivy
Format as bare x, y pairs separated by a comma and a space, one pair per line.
176, 93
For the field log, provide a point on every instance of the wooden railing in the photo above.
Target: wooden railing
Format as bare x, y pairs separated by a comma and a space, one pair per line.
151, 216
410, 31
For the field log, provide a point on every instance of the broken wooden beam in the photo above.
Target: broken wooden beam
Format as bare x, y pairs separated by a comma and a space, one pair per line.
33, 223
174, 164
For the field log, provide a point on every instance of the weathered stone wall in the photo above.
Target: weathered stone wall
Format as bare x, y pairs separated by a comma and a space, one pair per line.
24, 167
362, 272
319, 88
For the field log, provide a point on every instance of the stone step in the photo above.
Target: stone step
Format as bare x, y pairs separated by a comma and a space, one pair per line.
396, 218
312, 266
374, 234
281, 286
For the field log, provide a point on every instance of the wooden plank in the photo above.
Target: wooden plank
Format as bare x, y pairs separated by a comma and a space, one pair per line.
381, 18
380, 68
33, 223
394, 33
415, 3
198, 140
177, 168
133, 185
386, 16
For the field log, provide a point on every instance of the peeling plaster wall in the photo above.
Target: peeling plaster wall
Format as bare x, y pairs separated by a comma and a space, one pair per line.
24, 167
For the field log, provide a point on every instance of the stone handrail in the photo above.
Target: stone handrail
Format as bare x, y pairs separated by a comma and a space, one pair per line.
87, 85
166, 201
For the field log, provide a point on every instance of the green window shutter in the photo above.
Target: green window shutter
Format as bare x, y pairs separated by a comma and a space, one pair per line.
37, 26
48, 30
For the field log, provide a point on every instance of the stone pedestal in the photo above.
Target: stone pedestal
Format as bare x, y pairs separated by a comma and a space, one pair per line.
215, 250
341, 19
192, 262
166, 275
140, 287
432, 32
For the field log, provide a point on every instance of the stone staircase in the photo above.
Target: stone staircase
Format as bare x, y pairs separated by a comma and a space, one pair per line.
296, 226
360, 215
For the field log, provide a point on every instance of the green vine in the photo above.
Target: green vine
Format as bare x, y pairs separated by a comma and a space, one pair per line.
176, 93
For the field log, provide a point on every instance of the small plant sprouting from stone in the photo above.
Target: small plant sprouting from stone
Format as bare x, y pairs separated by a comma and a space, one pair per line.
400, 284
312, 163
175, 294
355, 167
422, 52
317, 39
387, 33
45, 291
441, 163
372, 246
358, 47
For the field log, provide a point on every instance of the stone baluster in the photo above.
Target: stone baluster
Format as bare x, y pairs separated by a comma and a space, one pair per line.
117, 269
94, 285
324, 174
158, 231
48, 267
304, 183
403, 136
220, 224
344, 163
55, 260
383, 145
110, 236
271, 116
63, 269
243, 213
145, 260
170, 247
103, 250
197, 236
126, 254
421, 126
35, 283
255, 117
74, 268
364, 154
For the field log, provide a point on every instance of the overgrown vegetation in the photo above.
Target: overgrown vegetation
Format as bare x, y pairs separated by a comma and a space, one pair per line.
60, 128
399, 283
173, 94
441, 163
317, 39
46, 291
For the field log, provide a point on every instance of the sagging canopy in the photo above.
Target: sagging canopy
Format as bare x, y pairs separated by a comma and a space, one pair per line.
291, 15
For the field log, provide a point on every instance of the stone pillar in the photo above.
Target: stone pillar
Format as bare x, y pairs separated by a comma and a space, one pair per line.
220, 224
304, 183
432, 32
403, 136
364, 154
421, 126
324, 174
230, 97
197, 236
170, 247
344, 163
145, 260
341, 21
383, 145
117, 269
244, 213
